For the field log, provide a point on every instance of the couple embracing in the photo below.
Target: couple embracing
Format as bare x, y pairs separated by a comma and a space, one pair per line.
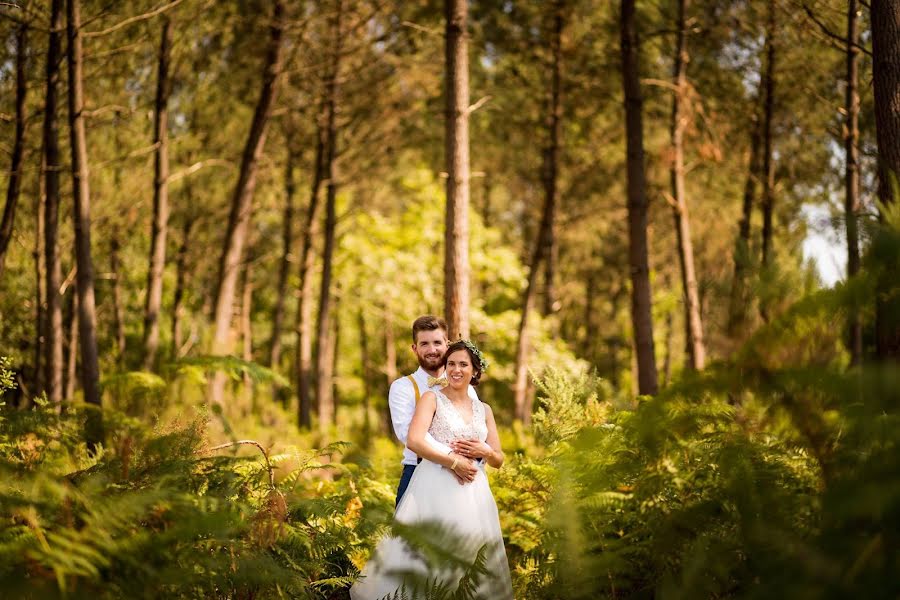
449, 435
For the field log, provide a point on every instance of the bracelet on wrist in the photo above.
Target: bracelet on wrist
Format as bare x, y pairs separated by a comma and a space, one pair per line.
454, 463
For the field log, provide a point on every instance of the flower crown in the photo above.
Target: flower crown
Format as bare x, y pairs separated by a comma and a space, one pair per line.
482, 361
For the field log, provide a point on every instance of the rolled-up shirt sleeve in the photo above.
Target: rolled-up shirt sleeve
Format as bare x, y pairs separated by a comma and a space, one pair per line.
402, 403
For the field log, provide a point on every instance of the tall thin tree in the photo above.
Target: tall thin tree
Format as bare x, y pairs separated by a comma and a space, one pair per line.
641, 299
543, 241
768, 164
287, 246
15, 170
851, 172
456, 141
303, 323
53, 359
325, 329
885, 18
680, 212
551, 154
115, 267
737, 310
157, 262
230, 262
81, 194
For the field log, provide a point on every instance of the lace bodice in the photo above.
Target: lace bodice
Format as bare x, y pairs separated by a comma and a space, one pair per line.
448, 424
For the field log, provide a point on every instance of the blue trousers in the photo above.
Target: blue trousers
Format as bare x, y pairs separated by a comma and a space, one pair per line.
408, 471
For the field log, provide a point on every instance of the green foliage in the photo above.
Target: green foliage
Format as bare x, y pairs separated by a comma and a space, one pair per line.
156, 514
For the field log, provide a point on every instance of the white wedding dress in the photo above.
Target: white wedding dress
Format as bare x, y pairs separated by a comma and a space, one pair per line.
434, 496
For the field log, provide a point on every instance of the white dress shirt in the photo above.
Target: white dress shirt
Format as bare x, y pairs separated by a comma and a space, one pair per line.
402, 402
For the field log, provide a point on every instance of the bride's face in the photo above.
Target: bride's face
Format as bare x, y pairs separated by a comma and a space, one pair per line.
459, 369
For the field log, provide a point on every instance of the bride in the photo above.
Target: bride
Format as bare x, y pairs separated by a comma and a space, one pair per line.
436, 497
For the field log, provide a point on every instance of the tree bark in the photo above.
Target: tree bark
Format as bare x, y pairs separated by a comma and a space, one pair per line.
551, 157
247, 331
53, 359
456, 139
365, 364
303, 351
324, 329
851, 173
390, 368
693, 321
40, 277
242, 199
181, 275
737, 311
768, 169
118, 307
81, 194
157, 263
641, 298
543, 242
885, 19
72, 356
287, 242
15, 169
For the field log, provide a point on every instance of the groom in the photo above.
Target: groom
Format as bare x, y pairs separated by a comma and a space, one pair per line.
429, 335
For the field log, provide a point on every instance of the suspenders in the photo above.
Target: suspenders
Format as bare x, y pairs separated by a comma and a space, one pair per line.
412, 380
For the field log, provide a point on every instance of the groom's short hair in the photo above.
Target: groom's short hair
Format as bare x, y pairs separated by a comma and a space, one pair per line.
428, 323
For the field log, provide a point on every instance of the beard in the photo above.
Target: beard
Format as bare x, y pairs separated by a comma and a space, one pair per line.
431, 363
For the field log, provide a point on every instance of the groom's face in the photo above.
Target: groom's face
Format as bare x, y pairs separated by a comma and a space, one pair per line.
430, 347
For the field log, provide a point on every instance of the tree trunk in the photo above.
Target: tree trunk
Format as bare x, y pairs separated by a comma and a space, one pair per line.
365, 364
15, 169
242, 199
81, 195
885, 21
589, 344
72, 356
287, 241
641, 308
53, 359
247, 331
551, 157
768, 169
390, 369
324, 333
456, 139
181, 275
160, 200
118, 307
693, 322
667, 346
737, 310
40, 277
303, 352
543, 242
851, 174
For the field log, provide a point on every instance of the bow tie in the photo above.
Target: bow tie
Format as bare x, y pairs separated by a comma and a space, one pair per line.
433, 381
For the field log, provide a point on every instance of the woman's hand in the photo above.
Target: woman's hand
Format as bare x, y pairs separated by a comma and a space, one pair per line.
472, 449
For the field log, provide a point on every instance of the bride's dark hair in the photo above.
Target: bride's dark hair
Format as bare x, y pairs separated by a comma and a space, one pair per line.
478, 362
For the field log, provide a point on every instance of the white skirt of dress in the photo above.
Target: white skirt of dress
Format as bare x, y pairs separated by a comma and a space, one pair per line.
469, 512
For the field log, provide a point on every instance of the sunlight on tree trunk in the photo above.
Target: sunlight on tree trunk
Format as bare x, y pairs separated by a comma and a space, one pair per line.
641, 308
693, 322
157, 263
53, 360
456, 137
324, 329
242, 200
81, 193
